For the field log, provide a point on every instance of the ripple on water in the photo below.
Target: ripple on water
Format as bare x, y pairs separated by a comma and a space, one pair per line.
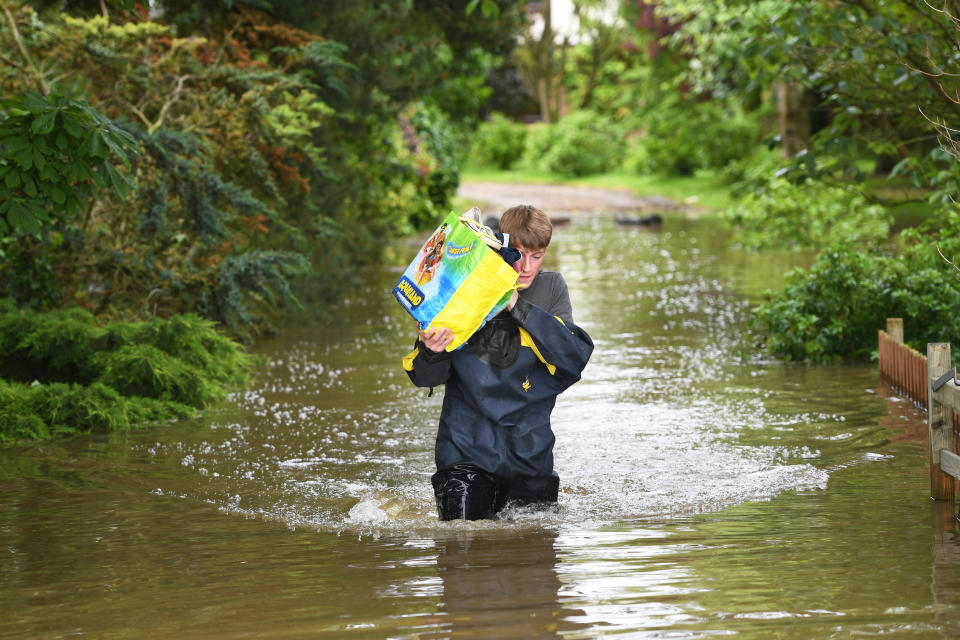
666, 421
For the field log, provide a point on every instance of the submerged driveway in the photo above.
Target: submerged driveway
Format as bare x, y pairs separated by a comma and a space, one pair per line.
494, 197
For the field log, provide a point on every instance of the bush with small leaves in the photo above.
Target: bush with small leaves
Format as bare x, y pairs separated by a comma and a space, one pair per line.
499, 142
583, 143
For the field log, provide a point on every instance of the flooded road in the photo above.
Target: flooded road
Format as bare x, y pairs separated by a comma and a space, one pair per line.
702, 493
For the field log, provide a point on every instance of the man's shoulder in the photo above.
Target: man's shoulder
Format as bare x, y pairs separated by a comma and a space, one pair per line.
545, 284
547, 289
550, 279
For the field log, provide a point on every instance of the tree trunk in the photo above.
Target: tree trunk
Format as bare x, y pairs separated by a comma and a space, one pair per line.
793, 109
545, 62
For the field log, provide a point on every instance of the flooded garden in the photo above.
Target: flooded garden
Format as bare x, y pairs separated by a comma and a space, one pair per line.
702, 492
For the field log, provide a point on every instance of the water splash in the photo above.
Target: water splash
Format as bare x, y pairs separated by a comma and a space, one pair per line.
667, 420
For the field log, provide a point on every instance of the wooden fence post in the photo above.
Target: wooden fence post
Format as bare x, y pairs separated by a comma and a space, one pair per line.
895, 332
939, 422
895, 329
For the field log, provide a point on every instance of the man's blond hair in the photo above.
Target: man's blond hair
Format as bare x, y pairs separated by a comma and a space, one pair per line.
528, 227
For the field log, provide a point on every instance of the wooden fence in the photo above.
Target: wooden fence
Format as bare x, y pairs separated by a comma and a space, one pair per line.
903, 368
914, 375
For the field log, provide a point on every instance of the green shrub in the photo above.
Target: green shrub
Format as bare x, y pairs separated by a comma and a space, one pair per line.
194, 341
833, 309
64, 346
62, 373
94, 407
39, 411
499, 142
540, 139
51, 346
807, 215
446, 144
144, 370
748, 175
581, 144
830, 311
680, 137
18, 420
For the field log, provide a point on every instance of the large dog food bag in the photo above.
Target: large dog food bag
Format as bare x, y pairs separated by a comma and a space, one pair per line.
456, 280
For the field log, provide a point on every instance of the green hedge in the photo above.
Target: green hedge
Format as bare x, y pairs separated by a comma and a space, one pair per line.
832, 310
681, 137
582, 144
499, 142
784, 215
61, 372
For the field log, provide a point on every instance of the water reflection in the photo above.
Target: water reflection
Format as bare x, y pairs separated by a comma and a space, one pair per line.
502, 585
945, 565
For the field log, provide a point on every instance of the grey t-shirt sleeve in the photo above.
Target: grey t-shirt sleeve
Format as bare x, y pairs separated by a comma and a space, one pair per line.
561, 306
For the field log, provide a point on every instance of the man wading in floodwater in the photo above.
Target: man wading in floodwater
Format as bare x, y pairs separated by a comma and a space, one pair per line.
494, 444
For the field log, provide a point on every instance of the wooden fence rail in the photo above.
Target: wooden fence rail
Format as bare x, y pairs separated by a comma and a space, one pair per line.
905, 369
914, 375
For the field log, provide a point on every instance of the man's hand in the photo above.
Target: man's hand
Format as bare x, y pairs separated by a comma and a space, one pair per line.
436, 339
513, 299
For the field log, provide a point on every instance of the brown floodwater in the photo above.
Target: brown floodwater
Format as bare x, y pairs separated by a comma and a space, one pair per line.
703, 493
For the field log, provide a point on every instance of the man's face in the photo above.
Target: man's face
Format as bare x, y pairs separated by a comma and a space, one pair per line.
529, 265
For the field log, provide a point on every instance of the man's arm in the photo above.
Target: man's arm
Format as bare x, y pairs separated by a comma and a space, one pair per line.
563, 345
428, 365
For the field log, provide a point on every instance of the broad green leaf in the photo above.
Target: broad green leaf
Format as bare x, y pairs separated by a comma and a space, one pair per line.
125, 139
17, 146
23, 219
29, 186
116, 148
72, 126
12, 179
120, 182
25, 159
57, 194
43, 124
73, 204
35, 103
38, 160
76, 173
98, 147
49, 174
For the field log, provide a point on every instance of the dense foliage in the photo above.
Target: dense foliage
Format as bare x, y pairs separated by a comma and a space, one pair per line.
681, 138
807, 215
204, 157
824, 118
581, 144
499, 142
834, 309
218, 159
65, 373
871, 69
56, 153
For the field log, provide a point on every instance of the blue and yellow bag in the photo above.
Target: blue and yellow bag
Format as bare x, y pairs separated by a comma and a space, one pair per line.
456, 281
